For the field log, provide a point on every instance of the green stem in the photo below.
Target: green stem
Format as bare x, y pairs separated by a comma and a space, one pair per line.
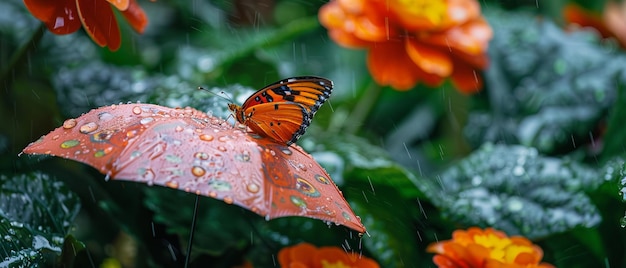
7, 76
363, 108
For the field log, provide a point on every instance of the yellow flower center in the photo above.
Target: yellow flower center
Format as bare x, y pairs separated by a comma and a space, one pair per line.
338, 264
433, 10
502, 249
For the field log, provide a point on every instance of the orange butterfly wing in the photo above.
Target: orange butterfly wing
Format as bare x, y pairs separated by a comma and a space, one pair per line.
283, 110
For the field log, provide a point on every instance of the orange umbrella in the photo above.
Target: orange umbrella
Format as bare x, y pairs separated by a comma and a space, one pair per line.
188, 150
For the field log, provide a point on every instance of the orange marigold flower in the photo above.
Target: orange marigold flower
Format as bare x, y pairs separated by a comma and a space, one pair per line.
611, 23
486, 248
96, 16
305, 255
411, 41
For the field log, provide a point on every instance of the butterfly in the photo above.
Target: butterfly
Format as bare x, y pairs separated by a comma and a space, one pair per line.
282, 111
185, 149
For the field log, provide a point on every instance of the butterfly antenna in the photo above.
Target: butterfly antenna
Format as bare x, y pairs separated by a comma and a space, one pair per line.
222, 94
193, 230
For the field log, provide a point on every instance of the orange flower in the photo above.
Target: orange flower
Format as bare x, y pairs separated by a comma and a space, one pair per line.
412, 41
96, 16
305, 255
486, 248
611, 23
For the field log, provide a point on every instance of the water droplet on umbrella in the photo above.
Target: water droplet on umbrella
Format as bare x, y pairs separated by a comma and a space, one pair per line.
148, 175
105, 116
69, 123
55, 137
221, 148
131, 133
206, 137
201, 155
146, 120
253, 187
178, 128
198, 171
172, 184
302, 167
243, 157
69, 144
228, 200
345, 215
89, 127
137, 110
212, 194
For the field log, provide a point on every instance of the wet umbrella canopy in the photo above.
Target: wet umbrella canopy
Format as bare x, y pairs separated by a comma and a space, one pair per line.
188, 150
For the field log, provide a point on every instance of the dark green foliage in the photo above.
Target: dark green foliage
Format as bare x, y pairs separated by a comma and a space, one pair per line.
514, 189
552, 92
36, 213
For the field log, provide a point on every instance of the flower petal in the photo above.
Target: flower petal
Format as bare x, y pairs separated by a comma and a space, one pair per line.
121, 5
300, 255
347, 40
471, 38
430, 59
461, 11
466, 78
136, 17
100, 23
389, 64
61, 16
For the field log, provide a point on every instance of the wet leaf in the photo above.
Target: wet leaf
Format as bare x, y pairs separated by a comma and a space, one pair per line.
35, 215
350, 158
95, 84
220, 227
514, 189
378, 190
16, 26
545, 88
615, 135
390, 224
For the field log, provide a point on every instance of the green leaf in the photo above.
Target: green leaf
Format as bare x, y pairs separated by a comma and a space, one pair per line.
220, 227
351, 158
389, 220
615, 136
35, 214
379, 190
95, 84
514, 189
545, 88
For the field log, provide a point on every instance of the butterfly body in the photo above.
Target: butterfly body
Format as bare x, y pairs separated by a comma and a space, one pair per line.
283, 110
